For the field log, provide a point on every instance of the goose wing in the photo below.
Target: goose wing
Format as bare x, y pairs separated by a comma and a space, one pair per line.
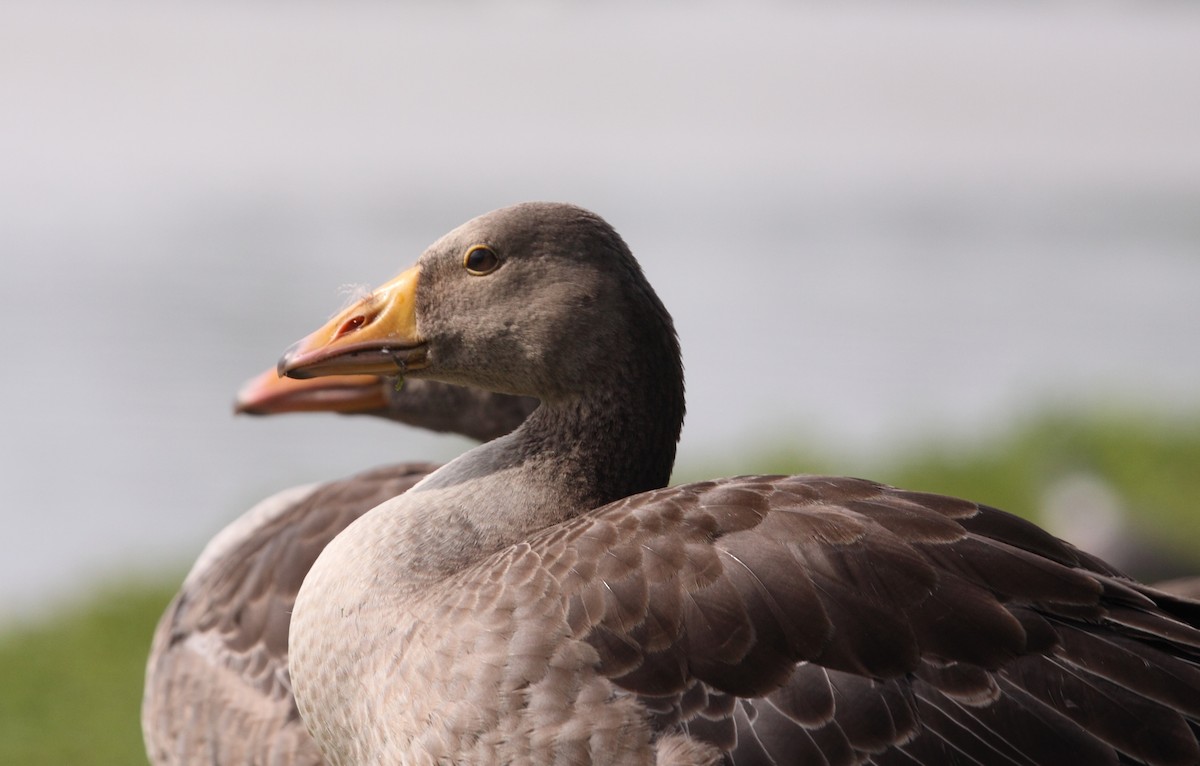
789, 620
217, 684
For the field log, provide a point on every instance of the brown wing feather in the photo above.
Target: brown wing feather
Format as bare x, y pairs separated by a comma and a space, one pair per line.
217, 685
872, 625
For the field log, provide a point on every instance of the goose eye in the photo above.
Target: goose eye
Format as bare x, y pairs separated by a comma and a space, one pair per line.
481, 260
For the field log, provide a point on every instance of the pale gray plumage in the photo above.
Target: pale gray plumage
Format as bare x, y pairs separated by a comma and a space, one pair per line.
539, 601
217, 689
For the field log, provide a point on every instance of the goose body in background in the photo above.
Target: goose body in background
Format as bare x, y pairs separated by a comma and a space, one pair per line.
1188, 587
543, 599
217, 689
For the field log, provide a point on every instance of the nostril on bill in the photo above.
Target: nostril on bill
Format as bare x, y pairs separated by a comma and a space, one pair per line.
351, 324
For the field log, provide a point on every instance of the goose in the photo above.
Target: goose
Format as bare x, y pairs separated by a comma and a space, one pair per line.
1188, 587
545, 599
216, 686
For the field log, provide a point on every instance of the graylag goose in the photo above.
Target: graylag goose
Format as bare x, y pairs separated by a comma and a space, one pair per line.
1188, 587
543, 600
217, 688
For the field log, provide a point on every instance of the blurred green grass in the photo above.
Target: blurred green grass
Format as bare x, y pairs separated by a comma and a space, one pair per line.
70, 685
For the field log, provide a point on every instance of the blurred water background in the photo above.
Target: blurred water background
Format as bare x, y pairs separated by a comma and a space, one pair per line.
876, 224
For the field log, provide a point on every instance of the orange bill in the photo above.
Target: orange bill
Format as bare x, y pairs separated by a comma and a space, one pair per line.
375, 336
269, 394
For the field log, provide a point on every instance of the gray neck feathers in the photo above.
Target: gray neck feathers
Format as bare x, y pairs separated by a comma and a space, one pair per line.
567, 458
437, 406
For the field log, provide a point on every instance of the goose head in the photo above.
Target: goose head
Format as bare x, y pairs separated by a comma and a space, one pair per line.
539, 299
427, 404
